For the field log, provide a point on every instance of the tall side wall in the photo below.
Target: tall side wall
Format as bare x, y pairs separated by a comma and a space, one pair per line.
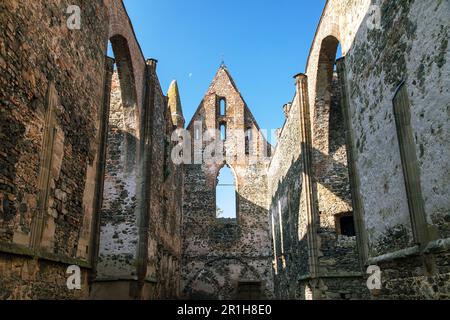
220, 256
384, 46
73, 186
49, 119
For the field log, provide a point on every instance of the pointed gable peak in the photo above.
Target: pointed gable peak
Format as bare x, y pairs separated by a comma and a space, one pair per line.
222, 69
224, 74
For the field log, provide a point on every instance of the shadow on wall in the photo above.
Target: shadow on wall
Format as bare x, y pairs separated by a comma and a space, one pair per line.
213, 281
339, 280
207, 285
291, 246
234, 267
322, 158
8, 208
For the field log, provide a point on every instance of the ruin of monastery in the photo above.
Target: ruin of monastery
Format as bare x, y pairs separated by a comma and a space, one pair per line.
359, 177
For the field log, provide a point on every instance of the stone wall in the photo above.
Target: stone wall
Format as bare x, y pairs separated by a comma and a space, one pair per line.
87, 179
408, 46
24, 278
312, 254
288, 226
120, 202
418, 56
118, 222
385, 44
49, 151
140, 244
166, 180
220, 254
77, 141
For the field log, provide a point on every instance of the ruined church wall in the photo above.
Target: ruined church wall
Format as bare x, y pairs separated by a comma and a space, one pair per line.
118, 218
156, 190
141, 215
288, 220
165, 199
60, 106
411, 46
41, 58
338, 265
219, 253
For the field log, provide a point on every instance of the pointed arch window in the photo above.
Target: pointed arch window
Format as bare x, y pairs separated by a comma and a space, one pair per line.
223, 131
222, 107
226, 205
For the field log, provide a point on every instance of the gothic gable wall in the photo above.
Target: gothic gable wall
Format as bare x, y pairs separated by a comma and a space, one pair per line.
219, 253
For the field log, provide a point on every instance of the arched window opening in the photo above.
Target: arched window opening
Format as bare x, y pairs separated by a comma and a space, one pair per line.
338, 55
330, 138
222, 107
110, 51
123, 111
223, 131
226, 195
336, 137
118, 48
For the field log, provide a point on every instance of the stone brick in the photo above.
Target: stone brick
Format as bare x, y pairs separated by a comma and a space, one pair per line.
86, 175
217, 254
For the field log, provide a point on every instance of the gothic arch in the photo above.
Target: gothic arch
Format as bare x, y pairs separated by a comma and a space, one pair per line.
124, 64
338, 26
229, 191
129, 56
120, 164
233, 170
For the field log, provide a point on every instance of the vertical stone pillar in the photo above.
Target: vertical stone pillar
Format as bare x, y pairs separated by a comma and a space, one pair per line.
411, 170
306, 142
274, 241
117, 232
45, 166
145, 177
103, 138
358, 208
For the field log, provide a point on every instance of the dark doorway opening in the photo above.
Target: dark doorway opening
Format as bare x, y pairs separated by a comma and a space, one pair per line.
249, 290
347, 226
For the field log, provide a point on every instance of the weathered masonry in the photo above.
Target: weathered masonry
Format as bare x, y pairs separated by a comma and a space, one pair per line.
374, 131
226, 258
359, 176
84, 176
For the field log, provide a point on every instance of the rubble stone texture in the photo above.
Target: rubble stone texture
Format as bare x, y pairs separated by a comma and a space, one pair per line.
218, 254
86, 176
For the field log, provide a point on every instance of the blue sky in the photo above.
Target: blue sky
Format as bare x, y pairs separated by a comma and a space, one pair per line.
264, 44
226, 193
